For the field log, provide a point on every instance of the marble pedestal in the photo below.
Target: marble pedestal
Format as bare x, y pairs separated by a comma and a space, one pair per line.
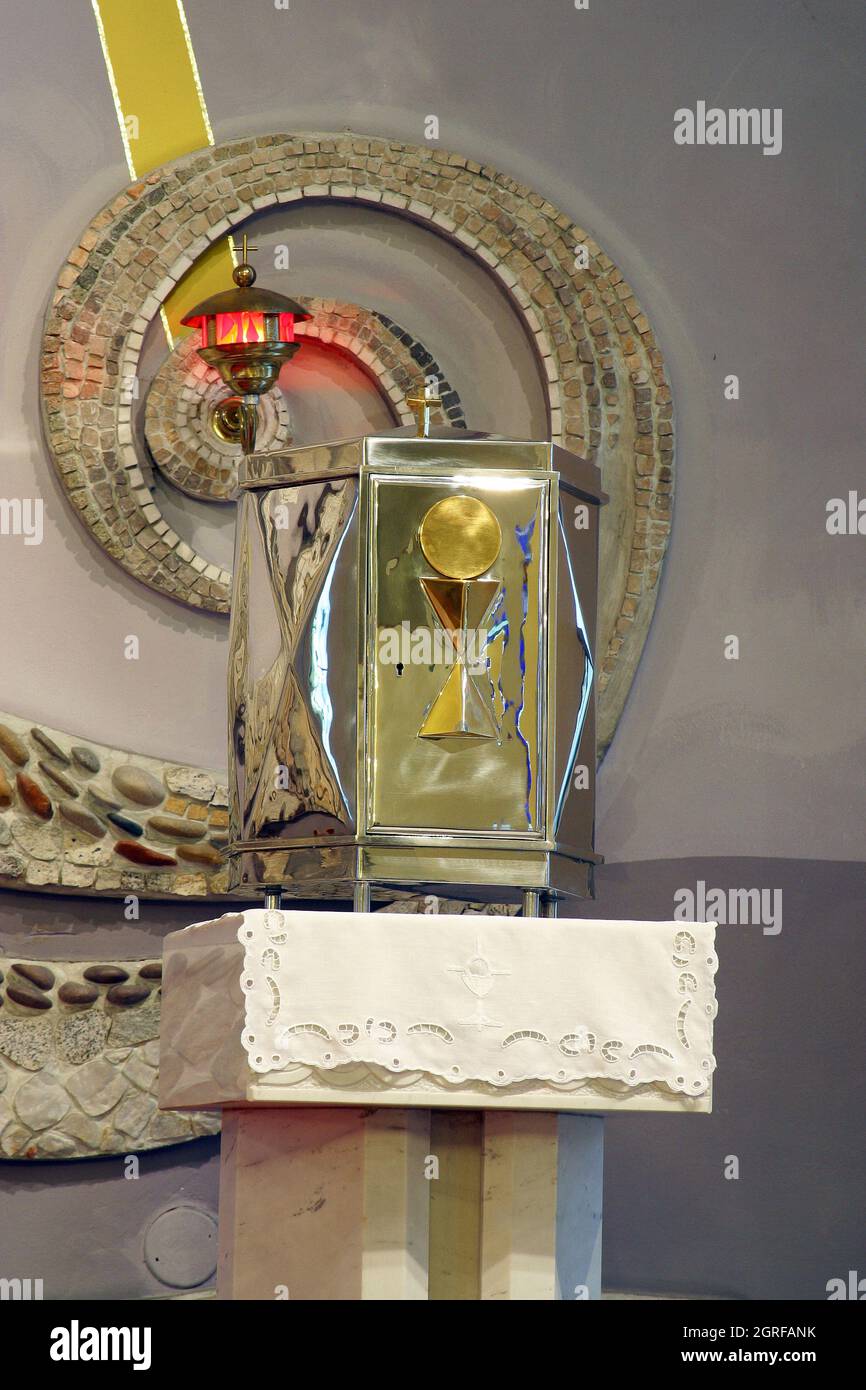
343, 1203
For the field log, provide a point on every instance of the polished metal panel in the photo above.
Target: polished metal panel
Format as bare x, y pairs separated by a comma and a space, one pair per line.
411, 682
572, 708
415, 781
288, 465
292, 678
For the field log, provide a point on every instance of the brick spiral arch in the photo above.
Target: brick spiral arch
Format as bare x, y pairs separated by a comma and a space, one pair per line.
607, 390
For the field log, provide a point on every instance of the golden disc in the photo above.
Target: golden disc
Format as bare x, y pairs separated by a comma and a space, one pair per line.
460, 537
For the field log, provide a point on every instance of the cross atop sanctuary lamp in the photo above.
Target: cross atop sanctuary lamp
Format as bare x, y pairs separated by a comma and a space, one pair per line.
247, 334
422, 404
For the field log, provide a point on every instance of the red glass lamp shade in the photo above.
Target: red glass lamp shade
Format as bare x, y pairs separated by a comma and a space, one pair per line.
244, 326
247, 334
238, 327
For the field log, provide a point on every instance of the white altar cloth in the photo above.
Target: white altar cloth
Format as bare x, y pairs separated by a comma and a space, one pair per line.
469, 999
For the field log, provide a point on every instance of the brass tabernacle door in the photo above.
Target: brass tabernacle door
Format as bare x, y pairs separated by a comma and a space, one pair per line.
456, 659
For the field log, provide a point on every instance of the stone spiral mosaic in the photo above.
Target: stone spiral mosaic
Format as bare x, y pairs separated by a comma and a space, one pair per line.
607, 389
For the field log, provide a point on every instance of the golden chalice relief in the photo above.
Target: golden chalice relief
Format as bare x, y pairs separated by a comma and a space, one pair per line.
457, 648
461, 539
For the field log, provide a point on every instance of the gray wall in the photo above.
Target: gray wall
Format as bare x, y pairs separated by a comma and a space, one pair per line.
745, 264
788, 1099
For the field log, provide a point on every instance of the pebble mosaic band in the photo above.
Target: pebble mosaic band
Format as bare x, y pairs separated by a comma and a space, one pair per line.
79, 817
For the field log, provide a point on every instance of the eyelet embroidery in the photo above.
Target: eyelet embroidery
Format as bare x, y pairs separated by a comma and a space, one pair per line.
478, 974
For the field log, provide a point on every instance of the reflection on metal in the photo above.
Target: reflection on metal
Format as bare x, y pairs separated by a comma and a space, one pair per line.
588, 672
362, 898
320, 698
393, 727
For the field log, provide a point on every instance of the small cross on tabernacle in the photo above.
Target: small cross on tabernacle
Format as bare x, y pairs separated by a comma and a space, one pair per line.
422, 404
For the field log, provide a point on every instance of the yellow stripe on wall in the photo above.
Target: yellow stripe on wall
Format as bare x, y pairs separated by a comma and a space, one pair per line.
162, 114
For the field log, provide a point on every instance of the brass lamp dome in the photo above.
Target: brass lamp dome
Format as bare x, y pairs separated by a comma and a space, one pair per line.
247, 334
